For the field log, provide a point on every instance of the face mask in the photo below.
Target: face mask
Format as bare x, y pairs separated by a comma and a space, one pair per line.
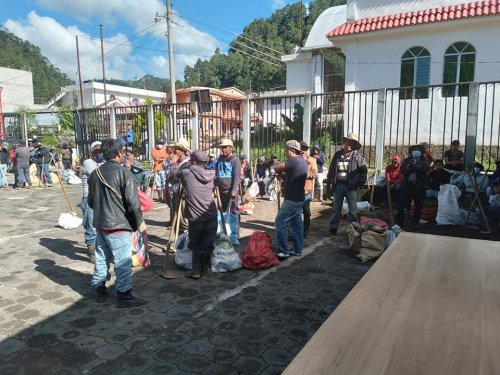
477, 170
416, 154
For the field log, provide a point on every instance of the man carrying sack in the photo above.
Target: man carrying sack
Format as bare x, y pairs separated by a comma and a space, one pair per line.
346, 173
198, 184
117, 212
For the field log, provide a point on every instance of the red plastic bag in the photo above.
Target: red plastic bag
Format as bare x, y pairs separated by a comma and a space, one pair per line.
259, 254
145, 200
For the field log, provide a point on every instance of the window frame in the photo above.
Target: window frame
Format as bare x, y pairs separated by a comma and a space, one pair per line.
458, 89
416, 56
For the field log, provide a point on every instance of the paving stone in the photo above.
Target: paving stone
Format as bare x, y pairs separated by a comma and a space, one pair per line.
41, 365
110, 351
169, 354
198, 347
10, 346
85, 322
89, 343
193, 363
26, 314
277, 356
41, 341
249, 365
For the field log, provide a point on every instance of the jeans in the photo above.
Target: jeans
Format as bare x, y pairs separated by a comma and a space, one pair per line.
290, 214
116, 247
342, 191
408, 193
67, 164
3, 175
23, 175
430, 193
89, 234
46, 173
160, 180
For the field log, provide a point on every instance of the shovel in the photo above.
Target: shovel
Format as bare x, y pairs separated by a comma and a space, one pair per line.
68, 199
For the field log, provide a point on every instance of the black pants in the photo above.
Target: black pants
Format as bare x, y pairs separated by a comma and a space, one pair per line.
411, 192
201, 242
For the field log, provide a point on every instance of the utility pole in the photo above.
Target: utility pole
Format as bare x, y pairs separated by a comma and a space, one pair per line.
171, 68
104, 76
79, 71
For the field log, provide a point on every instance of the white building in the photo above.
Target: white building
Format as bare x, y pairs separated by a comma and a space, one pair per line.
93, 95
17, 89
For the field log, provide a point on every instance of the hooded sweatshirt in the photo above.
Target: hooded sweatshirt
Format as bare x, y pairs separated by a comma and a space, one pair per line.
393, 174
198, 186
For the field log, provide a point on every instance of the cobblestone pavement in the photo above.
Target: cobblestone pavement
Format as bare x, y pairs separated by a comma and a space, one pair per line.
244, 322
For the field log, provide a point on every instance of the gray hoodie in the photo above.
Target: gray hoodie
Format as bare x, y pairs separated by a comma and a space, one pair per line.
198, 186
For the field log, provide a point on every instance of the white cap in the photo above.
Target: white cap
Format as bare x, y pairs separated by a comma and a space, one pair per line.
94, 145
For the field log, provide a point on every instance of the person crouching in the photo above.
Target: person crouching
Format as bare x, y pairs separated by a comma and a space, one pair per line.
201, 212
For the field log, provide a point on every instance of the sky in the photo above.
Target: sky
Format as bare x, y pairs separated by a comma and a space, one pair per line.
134, 45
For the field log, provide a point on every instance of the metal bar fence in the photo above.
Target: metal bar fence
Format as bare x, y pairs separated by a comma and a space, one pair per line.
90, 125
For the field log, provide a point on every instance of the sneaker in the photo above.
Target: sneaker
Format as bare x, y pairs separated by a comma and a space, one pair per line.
101, 293
332, 232
49, 185
126, 299
294, 254
282, 255
485, 231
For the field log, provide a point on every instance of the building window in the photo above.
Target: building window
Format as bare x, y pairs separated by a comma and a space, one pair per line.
415, 71
333, 71
459, 61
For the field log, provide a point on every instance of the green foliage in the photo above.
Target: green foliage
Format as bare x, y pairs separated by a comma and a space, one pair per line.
281, 33
19, 54
66, 117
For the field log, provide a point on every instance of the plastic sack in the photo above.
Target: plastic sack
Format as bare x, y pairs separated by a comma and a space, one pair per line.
366, 244
224, 257
183, 254
74, 179
251, 192
69, 221
259, 254
232, 222
366, 221
360, 206
449, 212
145, 200
391, 235
247, 208
140, 254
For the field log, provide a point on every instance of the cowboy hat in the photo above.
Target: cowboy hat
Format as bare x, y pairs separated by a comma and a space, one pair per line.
183, 145
225, 142
353, 139
416, 147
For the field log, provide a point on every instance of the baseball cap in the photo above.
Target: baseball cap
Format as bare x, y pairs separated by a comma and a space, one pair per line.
198, 156
293, 144
304, 145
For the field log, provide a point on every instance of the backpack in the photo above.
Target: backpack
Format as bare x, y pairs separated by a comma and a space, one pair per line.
259, 254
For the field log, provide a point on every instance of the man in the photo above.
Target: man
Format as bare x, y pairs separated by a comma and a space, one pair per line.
89, 166
159, 154
312, 172
454, 158
13, 163
346, 173
211, 162
178, 161
437, 177
43, 157
320, 161
414, 169
4, 162
117, 212
227, 172
245, 173
263, 177
67, 157
130, 137
22, 157
200, 211
290, 213
427, 152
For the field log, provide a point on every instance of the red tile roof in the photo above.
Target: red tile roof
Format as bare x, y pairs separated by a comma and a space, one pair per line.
392, 21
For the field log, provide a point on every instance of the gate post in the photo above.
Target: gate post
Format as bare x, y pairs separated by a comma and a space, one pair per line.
471, 126
380, 131
306, 119
195, 126
246, 128
112, 122
151, 131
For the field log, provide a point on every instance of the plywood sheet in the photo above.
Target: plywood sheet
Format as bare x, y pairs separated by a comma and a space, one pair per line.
430, 305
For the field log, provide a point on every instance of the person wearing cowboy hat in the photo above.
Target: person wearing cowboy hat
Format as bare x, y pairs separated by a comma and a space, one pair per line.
227, 179
347, 172
178, 161
88, 166
414, 169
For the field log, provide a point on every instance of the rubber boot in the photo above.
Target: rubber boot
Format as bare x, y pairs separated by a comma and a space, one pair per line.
307, 224
126, 299
91, 252
195, 272
205, 263
160, 195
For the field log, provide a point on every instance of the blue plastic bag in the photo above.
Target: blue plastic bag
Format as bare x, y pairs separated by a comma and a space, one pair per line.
232, 222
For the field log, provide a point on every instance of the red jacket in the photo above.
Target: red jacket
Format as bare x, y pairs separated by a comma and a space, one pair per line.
393, 174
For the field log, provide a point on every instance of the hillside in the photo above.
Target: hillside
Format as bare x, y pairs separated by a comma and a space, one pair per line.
19, 54
252, 63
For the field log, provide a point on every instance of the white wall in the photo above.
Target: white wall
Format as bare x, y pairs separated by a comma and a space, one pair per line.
17, 89
374, 8
374, 59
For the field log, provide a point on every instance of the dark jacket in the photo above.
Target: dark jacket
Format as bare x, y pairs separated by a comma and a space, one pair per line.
110, 211
198, 186
42, 156
22, 155
356, 174
419, 167
320, 158
4, 156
